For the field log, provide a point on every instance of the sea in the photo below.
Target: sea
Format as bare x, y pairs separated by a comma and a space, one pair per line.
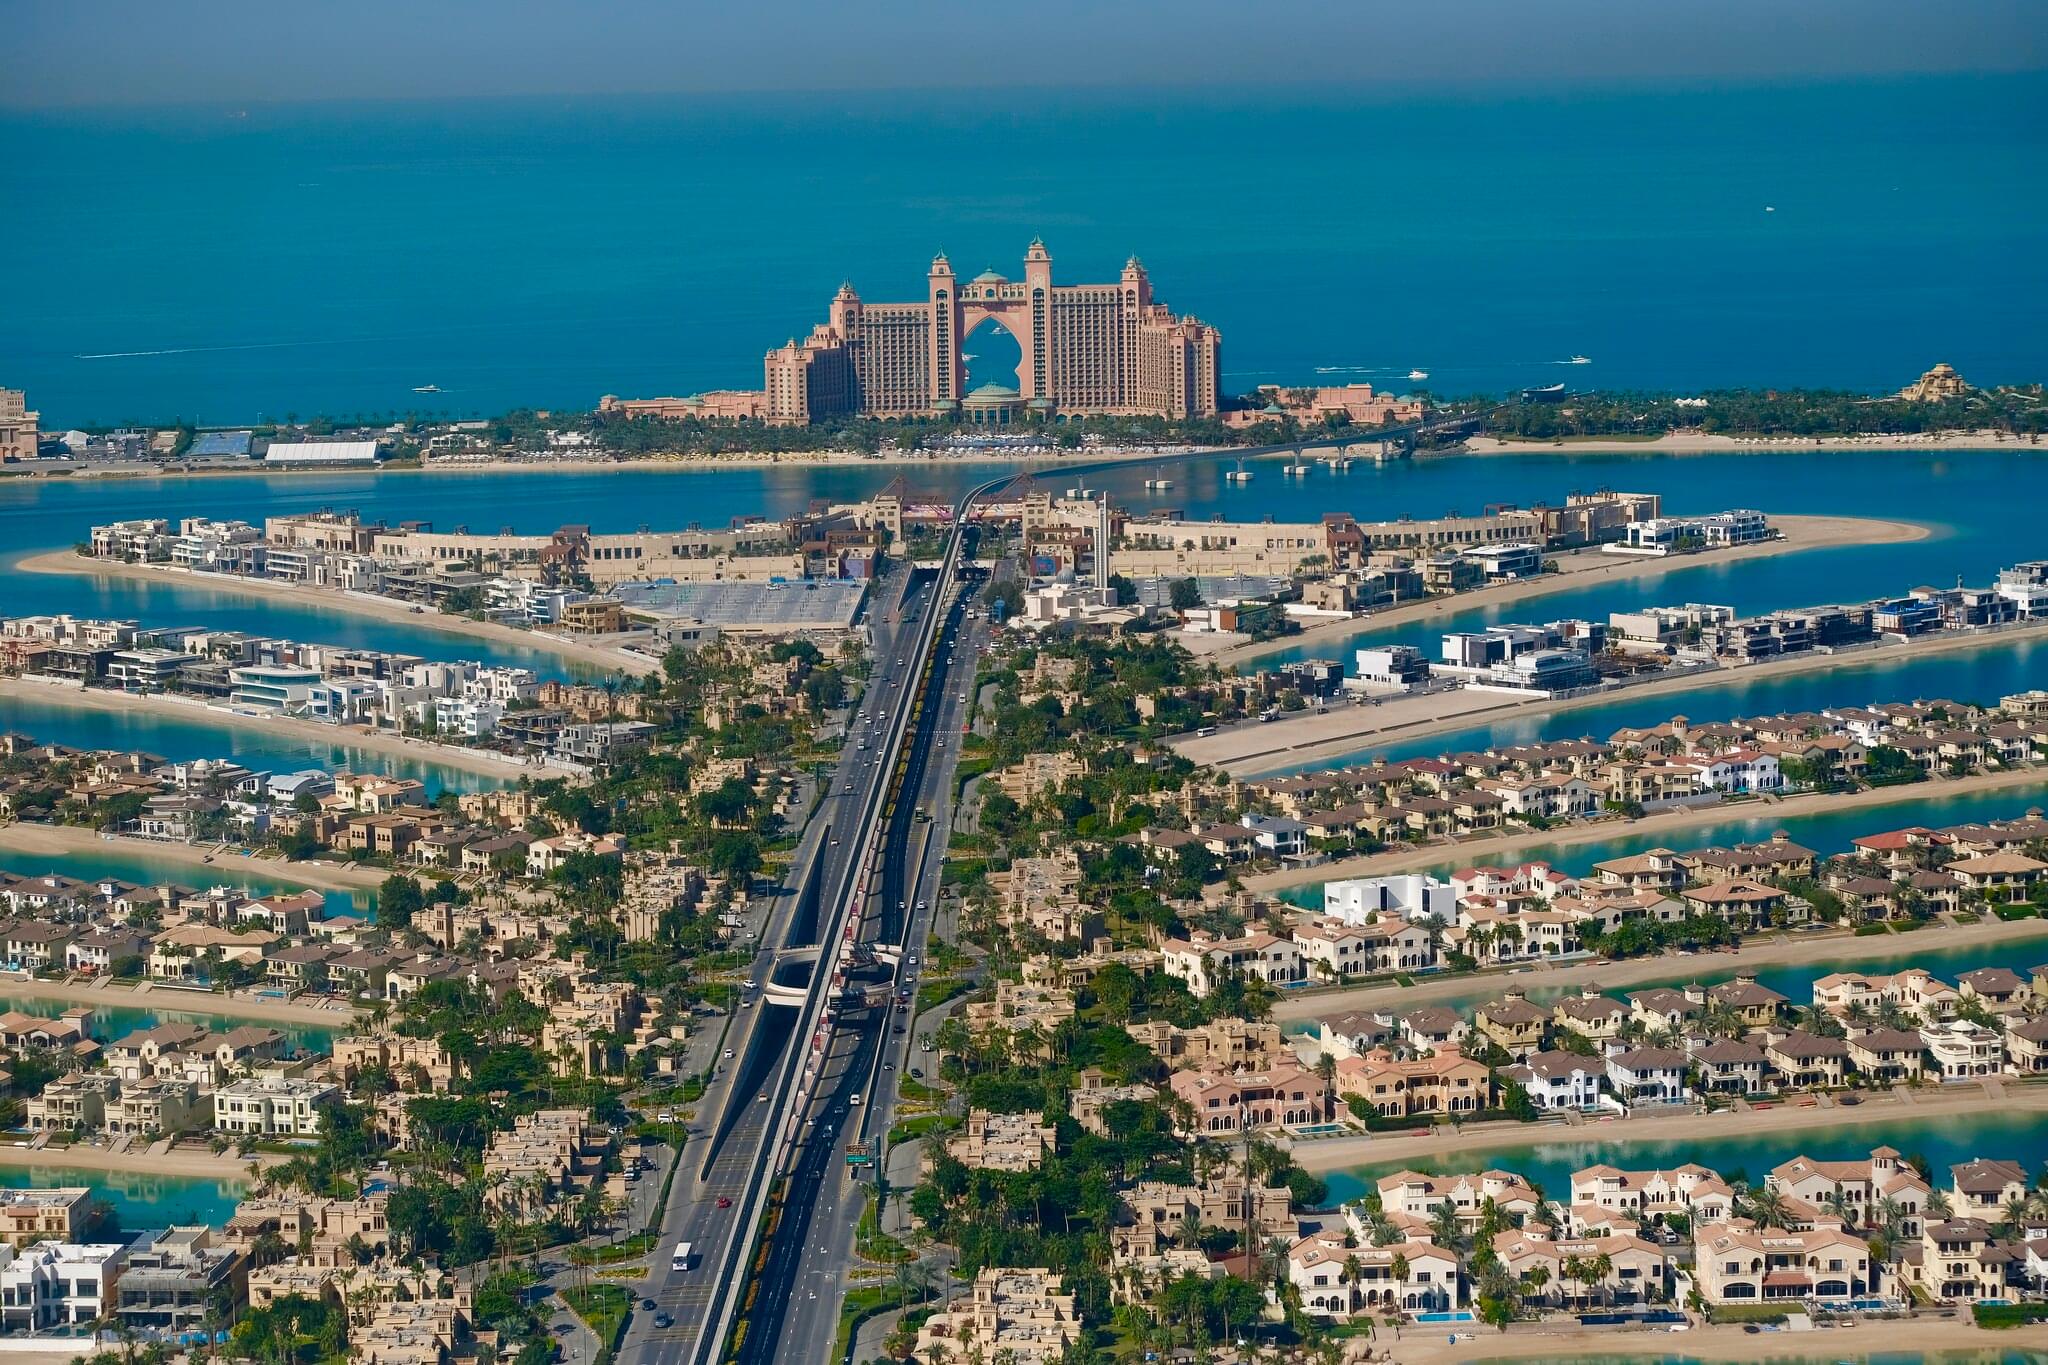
227, 264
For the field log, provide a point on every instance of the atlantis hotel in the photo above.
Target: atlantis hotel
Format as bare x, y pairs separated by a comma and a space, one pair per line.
1087, 349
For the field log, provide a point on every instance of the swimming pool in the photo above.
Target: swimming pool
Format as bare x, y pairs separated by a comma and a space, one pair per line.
1321, 1129
1460, 1316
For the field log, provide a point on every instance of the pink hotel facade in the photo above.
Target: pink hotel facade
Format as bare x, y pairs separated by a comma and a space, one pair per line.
1087, 349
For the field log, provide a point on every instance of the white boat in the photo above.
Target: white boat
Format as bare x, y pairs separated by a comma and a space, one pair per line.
426, 388
1418, 374
1580, 360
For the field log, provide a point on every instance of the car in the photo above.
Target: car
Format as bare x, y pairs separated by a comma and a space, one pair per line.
649, 1304
897, 1030
751, 984
724, 1201
888, 1066
854, 1099
728, 1054
662, 1319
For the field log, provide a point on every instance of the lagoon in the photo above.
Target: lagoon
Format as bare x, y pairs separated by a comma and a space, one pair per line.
111, 1021
139, 1201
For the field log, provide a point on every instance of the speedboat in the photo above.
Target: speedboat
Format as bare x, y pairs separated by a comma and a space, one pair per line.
1580, 360
1418, 374
426, 388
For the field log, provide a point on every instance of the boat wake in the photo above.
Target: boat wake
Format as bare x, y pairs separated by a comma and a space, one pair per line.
196, 350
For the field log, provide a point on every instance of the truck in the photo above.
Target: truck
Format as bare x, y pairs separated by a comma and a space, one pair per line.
682, 1256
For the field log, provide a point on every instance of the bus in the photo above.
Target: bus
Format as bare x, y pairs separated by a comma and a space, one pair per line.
681, 1259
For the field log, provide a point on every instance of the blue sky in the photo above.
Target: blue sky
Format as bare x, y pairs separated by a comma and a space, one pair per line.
56, 53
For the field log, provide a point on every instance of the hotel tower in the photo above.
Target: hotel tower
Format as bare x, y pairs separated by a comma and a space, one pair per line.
1087, 349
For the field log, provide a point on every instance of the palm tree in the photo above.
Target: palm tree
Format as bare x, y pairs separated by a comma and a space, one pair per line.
1326, 1071
1538, 1277
1937, 1206
1603, 1268
1444, 1228
1573, 1269
1766, 1207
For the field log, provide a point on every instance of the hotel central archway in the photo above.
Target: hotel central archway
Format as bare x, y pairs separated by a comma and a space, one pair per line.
992, 354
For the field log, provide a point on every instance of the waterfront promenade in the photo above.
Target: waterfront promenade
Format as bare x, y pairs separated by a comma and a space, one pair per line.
584, 652
1499, 847
141, 1159
1592, 567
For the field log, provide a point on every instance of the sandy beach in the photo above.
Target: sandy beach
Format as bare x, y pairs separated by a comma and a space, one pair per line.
1934, 1336
1308, 736
1833, 947
1499, 847
70, 841
138, 1160
1334, 1154
1699, 443
1579, 568
483, 762
354, 603
106, 993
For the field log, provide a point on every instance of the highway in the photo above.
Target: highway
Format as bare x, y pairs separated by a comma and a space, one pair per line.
815, 1243
780, 1102
761, 1073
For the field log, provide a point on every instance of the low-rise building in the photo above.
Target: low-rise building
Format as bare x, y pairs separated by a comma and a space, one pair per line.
1016, 1314
49, 1285
1737, 1262
1000, 1142
273, 1106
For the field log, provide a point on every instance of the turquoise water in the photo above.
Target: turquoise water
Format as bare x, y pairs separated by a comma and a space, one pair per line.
139, 1201
113, 1021
1944, 1141
1483, 237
